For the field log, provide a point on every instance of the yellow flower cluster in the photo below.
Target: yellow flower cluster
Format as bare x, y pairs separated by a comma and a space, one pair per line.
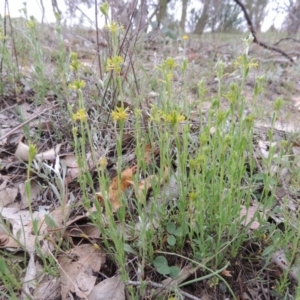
31, 23
80, 115
168, 65
243, 61
119, 114
174, 117
77, 85
74, 64
113, 27
114, 64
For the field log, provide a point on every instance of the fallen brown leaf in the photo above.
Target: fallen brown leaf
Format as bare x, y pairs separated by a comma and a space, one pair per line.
22, 152
145, 184
110, 288
249, 215
78, 275
226, 273
117, 186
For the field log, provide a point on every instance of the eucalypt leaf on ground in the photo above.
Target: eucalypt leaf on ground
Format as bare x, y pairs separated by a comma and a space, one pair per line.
172, 233
162, 267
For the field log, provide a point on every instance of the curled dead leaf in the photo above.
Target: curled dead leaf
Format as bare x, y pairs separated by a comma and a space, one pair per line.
145, 184
22, 152
117, 186
8, 242
49, 154
226, 273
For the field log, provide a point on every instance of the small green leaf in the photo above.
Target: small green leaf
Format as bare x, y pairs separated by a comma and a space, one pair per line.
174, 271
129, 249
178, 231
159, 261
268, 250
50, 221
164, 270
171, 240
161, 265
171, 228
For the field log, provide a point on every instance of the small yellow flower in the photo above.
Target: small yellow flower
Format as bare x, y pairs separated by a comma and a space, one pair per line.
238, 61
192, 196
119, 114
169, 63
74, 64
249, 119
80, 115
156, 115
32, 151
253, 64
185, 37
242, 60
113, 27
31, 23
114, 64
174, 117
103, 163
77, 85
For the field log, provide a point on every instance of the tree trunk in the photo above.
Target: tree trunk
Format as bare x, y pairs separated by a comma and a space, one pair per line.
257, 12
162, 10
202, 21
292, 21
183, 15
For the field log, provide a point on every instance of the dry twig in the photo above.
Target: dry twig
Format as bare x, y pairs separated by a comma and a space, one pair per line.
256, 40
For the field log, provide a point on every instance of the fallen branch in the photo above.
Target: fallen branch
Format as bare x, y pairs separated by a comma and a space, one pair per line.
286, 39
26, 122
256, 40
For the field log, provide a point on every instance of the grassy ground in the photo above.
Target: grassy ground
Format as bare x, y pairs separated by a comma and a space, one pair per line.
160, 170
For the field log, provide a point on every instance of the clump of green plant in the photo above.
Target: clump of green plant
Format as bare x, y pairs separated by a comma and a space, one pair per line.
211, 169
200, 181
10, 274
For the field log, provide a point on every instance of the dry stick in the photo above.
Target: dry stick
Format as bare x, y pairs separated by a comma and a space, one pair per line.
8, 108
78, 8
256, 40
97, 39
26, 122
43, 11
86, 16
286, 39
119, 52
132, 66
4, 34
13, 40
